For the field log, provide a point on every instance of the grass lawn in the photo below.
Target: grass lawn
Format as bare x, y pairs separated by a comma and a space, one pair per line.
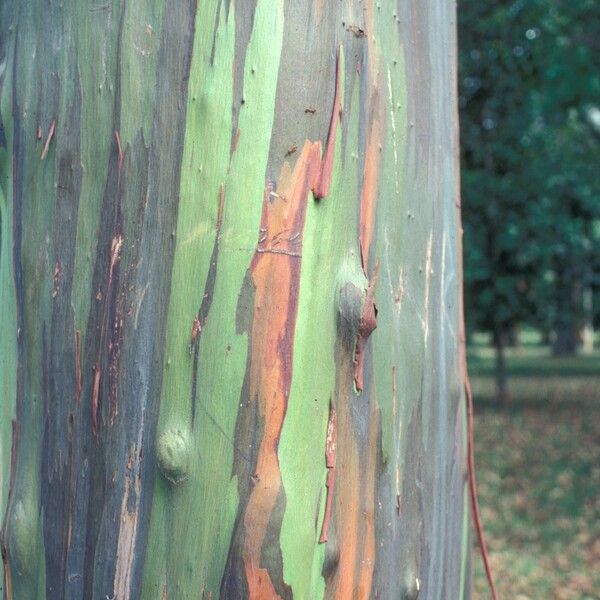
538, 471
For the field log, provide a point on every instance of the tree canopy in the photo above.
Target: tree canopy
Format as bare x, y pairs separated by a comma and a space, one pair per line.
529, 81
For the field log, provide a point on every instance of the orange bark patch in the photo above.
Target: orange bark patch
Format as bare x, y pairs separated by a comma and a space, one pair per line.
353, 516
367, 563
368, 197
347, 499
368, 200
354, 501
276, 275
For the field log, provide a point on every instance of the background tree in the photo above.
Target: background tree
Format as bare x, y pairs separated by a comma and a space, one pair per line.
529, 74
231, 307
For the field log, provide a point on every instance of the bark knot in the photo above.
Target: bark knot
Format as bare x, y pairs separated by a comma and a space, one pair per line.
22, 538
173, 455
357, 319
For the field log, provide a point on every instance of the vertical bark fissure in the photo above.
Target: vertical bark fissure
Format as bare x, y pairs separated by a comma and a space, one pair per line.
91, 461
142, 380
61, 395
205, 304
16, 261
244, 23
21, 529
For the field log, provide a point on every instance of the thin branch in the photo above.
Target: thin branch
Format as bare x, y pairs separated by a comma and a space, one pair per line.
477, 522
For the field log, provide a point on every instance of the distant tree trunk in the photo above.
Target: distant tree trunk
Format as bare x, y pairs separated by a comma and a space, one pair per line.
513, 336
546, 336
587, 332
568, 303
230, 283
565, 339
502, 392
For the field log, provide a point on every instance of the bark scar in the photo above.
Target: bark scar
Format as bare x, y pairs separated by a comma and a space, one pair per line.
56, 278
323, 182
367, 324
78, 365
120, 153
48, 140
95, 394
330, 459
359, 32
201, 316
115, 257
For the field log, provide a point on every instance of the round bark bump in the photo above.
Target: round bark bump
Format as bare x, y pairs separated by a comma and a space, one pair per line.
332, 558
350, 304
23, 538
412, 586
173, 455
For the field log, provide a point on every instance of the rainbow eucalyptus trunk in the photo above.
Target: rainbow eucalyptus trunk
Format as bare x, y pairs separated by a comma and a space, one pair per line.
230, 286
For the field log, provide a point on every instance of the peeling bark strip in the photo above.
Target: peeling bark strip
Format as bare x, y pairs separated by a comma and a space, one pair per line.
206, 302
368, 198
372, 151
78, 365
110, 307
128, 527
275, 273
48, 140
330, 459
120, 153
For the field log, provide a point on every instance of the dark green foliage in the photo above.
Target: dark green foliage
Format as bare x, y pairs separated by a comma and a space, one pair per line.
529, 76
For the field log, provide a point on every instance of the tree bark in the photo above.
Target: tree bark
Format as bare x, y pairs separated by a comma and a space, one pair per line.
565, 339
587, 330
231, 301
568, 309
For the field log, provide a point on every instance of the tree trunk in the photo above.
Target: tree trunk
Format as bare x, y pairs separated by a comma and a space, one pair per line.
502, 393
587, 331
568, 309
230, 283
565, 338
513, 337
